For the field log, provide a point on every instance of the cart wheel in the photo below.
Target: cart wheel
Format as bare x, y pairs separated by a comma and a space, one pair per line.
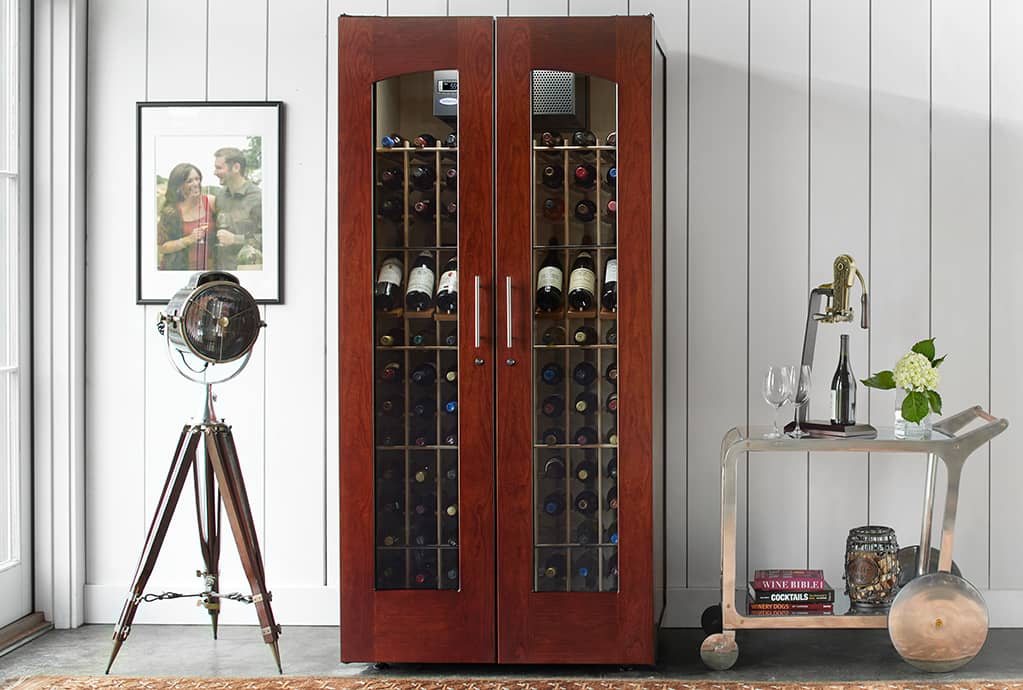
381, 666
710, 621
719, 651
907, 563
938, 622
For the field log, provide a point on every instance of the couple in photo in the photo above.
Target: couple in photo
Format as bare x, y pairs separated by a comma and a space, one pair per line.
223, 230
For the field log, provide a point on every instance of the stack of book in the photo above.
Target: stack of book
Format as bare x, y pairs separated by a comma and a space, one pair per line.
790, 593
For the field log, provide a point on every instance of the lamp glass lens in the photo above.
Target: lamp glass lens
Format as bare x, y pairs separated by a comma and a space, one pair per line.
221, 322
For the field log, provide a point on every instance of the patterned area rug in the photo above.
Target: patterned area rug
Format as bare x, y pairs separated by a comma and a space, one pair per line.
113, 682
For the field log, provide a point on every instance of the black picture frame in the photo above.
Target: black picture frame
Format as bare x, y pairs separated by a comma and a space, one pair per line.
233, 221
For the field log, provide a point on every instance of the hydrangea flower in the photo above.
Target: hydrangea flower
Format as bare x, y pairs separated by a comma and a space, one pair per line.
917, 373
914, 373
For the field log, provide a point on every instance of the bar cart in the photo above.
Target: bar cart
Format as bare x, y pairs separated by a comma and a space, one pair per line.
938, 621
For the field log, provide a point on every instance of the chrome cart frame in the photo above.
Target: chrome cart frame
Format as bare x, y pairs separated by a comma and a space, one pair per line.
720, 651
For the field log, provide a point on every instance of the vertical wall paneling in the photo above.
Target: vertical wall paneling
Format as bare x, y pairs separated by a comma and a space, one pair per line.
1006, 248
237, 49
839, 224
115, 444
175, 70
295, 481
417, 8
672, 25
242, 401
899, 240
716, 269
778, 249
477, 8
538, 8
960, 243
592, 8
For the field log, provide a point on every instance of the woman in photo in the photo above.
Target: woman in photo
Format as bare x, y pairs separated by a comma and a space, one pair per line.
183, 221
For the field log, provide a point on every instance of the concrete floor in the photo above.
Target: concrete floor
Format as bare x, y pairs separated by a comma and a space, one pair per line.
767, 655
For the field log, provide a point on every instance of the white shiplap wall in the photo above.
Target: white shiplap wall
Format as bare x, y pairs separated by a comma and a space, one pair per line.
799, 130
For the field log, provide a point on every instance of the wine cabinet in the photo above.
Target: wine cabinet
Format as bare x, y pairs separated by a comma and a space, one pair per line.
501, 345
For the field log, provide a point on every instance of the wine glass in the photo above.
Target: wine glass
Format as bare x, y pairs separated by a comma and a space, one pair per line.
777, 391
799, 378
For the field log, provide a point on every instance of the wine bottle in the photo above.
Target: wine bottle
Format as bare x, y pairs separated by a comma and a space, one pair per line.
451, 510
427, 436
554, 209
609, 293
554, 468
451, 179
612, 498
390, 576
585, 175
585, 403
584, 137
582, 281
554, 504
451, 406
554, 335
612, 210
449, 533
612, 467
424, 140
586, 471
451, 140
612, 176
586, 502
424, 209
393, 140
422, 337
424, 503
549, 281
585, 436
586, 532
585, 210
451, 338
422, 474
449, 209
424, 374
424, 569
391, 209
424, 407
611, 337
584, 373
447, 288
552, 406
585, 335
389, 435
390, 372
552, 373
451, 574
553, 436
611, 373
451, 473
551, 139
612, 139
391, 407
451, 374
554, 566
611, 437
423, 533
611, 404
423, 176
391, 178
586, 567
388, 287
393, 336
553, 176
451, 437
421, 279
611, 533
843, 389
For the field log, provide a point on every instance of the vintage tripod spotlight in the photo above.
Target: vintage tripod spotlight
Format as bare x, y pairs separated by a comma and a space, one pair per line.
212, 322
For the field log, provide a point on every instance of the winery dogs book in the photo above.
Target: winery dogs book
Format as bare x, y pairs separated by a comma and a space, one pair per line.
789, 580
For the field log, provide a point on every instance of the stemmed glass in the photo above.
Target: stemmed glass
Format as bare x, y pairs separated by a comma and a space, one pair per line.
777, 391
799, 380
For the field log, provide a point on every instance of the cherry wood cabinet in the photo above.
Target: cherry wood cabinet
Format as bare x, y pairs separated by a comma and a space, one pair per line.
501, 451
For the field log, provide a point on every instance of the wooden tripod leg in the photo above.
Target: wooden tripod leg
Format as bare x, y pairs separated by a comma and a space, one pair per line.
184, 458
207, 515
221, 452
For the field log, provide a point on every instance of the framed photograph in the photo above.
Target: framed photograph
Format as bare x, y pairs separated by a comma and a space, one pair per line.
209, 196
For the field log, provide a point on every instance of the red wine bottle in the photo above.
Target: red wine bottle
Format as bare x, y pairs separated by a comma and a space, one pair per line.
391, 178
612, 210
554, 209
554, 468
421, 280
553, 176
390, 372
585, 211
609, 292
612, 498
611, 404
424, 209
549, 281
585, 436
584, 137
554, 335
585, 335
586, 502
387, 293
586, 471
447, 288
424, 407
584, 373
392, 406
585, 175
553, 436
449, 209
611, 373
393, 140
424, 374
392, 209
582, 281
552, 406
585, 403
424, 140
612, 467
451, 179
612, 139
423, 176
551, 139
451, 140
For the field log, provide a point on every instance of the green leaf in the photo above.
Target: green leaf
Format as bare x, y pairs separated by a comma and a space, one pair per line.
937, 363
884, 380
926, 348
935, 401
915, 407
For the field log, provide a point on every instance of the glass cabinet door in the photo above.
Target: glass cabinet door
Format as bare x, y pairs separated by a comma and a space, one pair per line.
575, 335
415, 303
416, 405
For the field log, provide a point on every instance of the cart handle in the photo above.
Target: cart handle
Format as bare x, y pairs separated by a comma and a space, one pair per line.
950, 425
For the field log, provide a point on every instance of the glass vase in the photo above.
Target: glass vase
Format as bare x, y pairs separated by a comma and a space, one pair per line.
911, 430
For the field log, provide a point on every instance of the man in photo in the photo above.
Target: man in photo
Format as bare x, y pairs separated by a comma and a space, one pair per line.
239, 205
